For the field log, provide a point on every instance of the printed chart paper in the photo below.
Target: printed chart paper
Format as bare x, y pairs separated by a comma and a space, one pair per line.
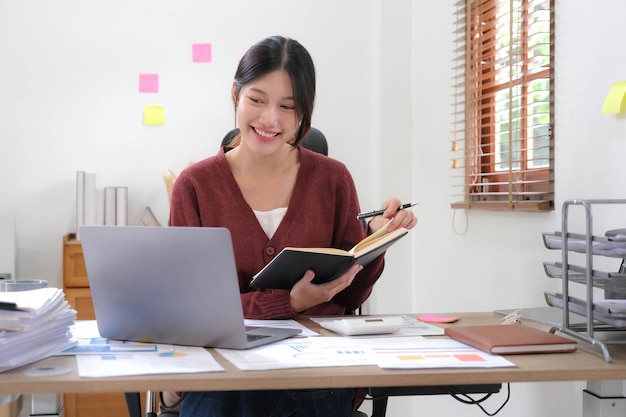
182, 359
403, 352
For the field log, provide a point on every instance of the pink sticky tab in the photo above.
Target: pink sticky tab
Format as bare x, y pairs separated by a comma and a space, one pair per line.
430, 318
148, 83
202, 52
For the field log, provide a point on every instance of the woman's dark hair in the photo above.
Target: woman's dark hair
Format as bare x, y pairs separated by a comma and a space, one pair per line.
280, 53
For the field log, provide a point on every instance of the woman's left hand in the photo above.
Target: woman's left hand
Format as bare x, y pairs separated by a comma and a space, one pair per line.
304, 294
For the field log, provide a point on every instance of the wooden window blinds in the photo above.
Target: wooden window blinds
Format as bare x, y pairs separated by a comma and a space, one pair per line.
503, 113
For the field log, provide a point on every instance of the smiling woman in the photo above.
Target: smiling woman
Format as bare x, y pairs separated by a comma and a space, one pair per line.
266, 109
270, 193
288, 63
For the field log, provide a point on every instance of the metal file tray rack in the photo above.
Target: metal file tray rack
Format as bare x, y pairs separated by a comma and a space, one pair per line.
598, 315
613, 283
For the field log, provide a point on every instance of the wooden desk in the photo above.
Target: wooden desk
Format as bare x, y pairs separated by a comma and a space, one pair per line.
586, 364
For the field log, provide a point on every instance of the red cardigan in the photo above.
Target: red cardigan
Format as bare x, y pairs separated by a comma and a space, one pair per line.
321, 213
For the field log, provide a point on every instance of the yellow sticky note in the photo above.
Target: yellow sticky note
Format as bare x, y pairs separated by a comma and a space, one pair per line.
614, 101
153, 115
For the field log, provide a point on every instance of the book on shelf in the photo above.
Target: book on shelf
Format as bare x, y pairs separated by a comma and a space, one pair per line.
115, 206
109, 206
86, 200
510, 339
80, 200
97, 206
291, 263
91, 200
121, 206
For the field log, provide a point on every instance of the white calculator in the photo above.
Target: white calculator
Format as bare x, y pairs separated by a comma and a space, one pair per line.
353, 326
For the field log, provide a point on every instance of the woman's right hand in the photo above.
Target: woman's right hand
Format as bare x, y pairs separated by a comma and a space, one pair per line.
304, 294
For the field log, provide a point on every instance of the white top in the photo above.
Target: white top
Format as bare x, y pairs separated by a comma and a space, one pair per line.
270, 220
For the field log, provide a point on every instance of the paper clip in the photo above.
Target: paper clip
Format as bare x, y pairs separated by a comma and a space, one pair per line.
514, 317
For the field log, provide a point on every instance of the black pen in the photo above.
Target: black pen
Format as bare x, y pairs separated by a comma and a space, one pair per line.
379, 212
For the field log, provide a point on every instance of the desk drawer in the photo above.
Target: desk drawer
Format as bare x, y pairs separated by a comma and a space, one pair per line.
95, 405
74, 269
80, 300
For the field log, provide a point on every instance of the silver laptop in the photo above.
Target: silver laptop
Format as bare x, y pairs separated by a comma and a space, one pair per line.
171, 285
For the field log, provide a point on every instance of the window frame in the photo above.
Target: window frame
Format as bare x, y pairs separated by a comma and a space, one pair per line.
484, 185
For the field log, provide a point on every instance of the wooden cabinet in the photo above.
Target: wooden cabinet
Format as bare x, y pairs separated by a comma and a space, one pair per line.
77, 293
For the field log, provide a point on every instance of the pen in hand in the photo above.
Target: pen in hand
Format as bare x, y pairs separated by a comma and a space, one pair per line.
379, 212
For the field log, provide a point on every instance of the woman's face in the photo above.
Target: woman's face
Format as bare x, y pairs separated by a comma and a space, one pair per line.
266, 113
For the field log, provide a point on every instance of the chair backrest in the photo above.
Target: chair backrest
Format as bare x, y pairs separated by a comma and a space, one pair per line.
314, 140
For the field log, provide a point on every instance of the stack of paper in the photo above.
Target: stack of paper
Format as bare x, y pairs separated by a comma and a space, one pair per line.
33, 325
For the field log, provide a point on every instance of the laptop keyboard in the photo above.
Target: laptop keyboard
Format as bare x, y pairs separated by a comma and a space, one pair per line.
253, 337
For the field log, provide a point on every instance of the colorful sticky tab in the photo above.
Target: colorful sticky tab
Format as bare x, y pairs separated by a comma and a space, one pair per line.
431, 318
202, 52
614, 101
148, 83
153, 115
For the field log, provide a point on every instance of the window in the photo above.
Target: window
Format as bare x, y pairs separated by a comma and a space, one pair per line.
503, 143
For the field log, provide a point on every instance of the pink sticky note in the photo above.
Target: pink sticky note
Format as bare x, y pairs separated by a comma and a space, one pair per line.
430, 318
202, 52
148, 83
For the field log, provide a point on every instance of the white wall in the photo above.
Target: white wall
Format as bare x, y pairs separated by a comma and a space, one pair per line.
69, 98
482, 269
69, 101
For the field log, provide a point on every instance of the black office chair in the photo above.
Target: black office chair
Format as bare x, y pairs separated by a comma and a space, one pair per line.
316, 141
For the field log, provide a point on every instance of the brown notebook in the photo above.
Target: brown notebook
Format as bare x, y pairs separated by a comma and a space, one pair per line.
510, 339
